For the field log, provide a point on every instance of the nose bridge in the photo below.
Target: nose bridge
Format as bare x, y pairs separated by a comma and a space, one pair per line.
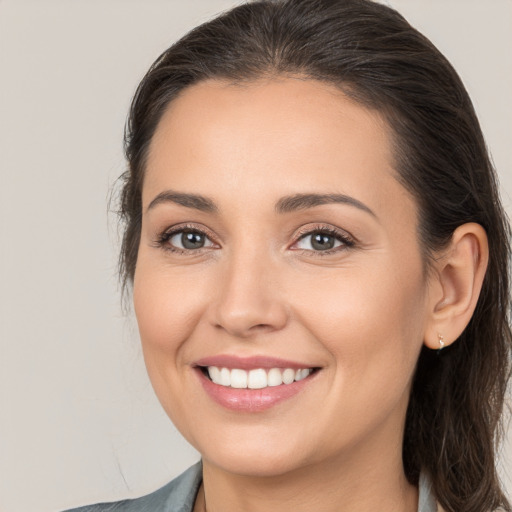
249, 298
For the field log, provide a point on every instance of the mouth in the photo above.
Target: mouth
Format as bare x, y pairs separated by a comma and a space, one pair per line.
257, 378
253, 384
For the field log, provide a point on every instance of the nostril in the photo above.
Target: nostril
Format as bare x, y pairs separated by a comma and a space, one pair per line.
248, 314
239, 329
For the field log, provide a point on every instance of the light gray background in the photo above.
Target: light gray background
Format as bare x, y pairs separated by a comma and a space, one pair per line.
78, 420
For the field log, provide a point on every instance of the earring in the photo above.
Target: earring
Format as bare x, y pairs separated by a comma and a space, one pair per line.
441, 342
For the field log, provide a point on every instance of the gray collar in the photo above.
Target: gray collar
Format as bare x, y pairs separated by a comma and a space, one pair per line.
426, 501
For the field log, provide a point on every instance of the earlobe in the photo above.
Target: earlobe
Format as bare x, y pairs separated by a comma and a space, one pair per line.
456, 285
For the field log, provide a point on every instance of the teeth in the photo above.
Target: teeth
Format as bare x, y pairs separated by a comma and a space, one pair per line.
274, 377
257, 378
238, 379
302, 374
225, 377
214, 374
288, 376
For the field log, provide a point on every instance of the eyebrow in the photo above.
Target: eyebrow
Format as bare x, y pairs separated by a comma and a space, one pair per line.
286, 204
194, 201
305, 201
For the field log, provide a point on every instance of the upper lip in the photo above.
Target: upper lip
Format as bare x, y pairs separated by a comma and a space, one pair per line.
249, 363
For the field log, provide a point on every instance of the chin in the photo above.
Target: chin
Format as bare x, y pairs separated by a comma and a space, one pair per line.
260, 465
266, 456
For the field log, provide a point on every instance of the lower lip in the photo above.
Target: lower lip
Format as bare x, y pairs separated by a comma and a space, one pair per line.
251, 400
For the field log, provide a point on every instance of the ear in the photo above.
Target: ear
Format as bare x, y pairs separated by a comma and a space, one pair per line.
455, 285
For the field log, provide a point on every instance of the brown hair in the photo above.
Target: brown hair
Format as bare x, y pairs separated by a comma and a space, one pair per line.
372, 53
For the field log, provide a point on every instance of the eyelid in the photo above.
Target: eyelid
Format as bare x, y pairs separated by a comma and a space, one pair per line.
346, 238
164, 236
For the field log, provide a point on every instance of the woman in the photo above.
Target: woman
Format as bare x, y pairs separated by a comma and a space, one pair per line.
320, 265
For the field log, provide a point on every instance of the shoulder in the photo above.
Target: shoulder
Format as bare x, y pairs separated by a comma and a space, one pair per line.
176, 496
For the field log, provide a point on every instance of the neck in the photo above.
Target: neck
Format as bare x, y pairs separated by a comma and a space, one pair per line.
332, 486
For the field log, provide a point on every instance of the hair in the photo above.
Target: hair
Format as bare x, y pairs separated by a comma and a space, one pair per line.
372, 54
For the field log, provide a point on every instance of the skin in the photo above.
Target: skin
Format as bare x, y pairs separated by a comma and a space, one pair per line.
360, 313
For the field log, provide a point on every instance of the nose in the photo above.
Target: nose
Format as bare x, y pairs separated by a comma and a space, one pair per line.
249, 298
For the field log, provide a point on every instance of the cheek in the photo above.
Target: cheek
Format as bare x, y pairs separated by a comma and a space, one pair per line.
371, 319
168, 304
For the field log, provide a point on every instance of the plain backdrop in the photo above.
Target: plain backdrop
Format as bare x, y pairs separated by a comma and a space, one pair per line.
78, 419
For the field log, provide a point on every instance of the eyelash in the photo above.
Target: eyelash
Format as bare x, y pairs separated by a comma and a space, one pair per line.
163, 239
346, 240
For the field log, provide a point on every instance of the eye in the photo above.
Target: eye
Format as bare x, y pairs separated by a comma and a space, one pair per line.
187, 240
323, 240
318, 241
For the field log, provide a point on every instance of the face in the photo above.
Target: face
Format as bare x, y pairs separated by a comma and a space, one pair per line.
279, 290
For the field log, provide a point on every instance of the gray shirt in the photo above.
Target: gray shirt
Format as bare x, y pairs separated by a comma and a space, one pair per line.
180, 494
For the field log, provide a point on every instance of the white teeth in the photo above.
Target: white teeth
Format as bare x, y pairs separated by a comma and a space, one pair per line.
288, 376
225, 377
274, 377
214, 374
238, 379
302, 374
257, 378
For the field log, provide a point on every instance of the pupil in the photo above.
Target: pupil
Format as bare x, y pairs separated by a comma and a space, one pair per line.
322, 242
191, 240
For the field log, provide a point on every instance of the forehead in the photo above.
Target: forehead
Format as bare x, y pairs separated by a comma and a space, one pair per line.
271, 136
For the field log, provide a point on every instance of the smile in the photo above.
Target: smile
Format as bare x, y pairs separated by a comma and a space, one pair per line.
253, 384
258, 378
